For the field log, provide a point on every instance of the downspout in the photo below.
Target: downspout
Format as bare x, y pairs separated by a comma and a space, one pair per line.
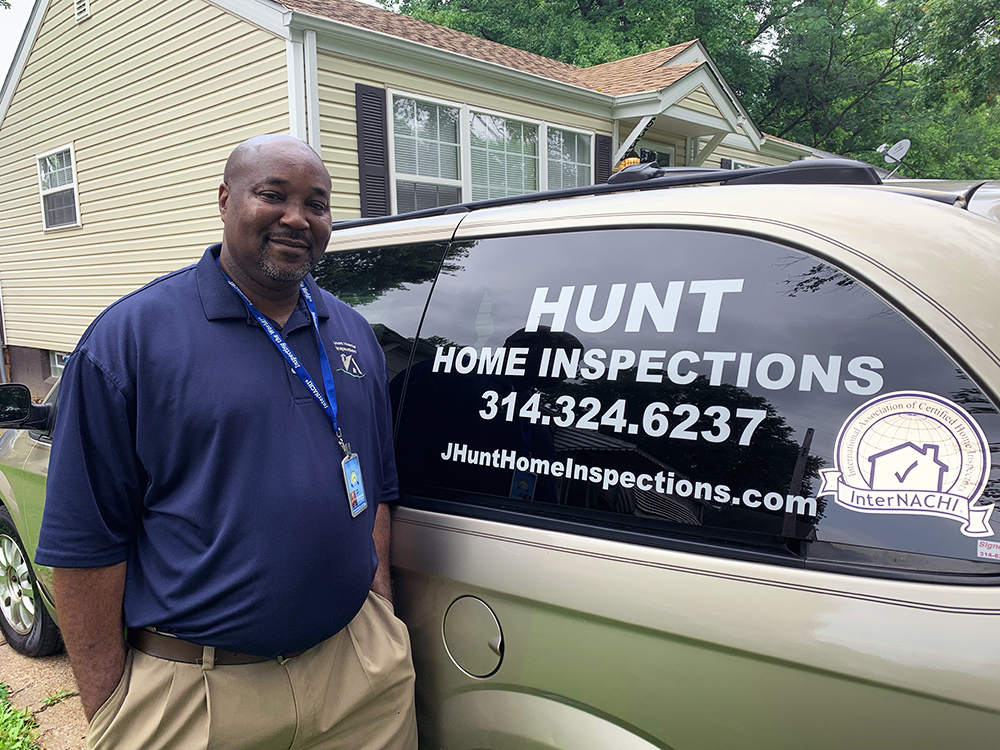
296, 77
312, 91
3, 343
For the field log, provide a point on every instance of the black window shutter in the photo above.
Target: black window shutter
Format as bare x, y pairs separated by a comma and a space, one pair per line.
373, 150
726, 163
602, 159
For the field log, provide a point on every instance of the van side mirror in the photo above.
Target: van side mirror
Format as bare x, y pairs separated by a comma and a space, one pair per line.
17, 411
15, 403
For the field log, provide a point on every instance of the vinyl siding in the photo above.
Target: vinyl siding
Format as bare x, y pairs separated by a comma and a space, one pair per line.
153, 97
338, 126
699, 101
757, 158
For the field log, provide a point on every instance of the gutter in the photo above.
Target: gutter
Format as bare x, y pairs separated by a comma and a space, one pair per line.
373, 45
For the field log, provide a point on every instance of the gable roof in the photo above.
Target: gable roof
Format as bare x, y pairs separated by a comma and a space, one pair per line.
646, 72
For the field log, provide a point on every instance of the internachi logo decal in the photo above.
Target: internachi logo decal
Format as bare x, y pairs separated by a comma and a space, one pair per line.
912, 453
348, 359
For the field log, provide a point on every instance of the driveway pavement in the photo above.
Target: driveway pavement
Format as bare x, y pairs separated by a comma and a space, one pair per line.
60, 726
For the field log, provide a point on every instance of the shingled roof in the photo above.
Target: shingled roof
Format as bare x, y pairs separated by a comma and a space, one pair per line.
645, 72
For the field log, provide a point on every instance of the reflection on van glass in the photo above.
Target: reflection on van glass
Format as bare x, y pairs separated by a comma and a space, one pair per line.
701, 379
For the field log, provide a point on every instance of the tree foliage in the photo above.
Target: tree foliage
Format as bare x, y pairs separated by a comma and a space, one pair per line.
840, 75
588, 32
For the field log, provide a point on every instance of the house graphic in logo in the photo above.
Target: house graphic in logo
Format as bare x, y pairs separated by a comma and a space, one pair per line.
912, 453
907, 467
348, 359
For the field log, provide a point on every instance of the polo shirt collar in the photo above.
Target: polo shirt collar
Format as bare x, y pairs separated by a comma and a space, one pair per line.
220, 301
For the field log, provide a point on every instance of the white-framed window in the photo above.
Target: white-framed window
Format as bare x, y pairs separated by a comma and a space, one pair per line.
442, 153
57, 188
661, 153
81, 9
427, 153
570, 156
57, 361
737, 164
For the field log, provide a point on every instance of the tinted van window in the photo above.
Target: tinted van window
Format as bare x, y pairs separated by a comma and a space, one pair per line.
389, 286
687, 382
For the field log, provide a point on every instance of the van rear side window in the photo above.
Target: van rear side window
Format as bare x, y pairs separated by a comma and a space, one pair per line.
694, 383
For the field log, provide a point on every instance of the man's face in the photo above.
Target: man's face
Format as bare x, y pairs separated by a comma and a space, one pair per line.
276, 211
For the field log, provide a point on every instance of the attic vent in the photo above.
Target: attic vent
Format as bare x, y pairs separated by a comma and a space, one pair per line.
82, 9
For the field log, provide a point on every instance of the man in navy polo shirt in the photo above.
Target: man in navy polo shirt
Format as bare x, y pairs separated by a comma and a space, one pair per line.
221, 458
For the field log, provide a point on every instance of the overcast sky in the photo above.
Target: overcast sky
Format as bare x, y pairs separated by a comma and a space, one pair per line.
12, 24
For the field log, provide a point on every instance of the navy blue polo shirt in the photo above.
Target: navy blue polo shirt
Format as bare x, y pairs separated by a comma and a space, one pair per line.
185, 445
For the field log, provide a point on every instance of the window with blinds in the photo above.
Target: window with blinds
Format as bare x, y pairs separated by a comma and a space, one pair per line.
569, 159
504, 156
57, 188
427, 153
444, 153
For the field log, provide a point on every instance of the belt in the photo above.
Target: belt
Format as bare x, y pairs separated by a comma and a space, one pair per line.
176, 649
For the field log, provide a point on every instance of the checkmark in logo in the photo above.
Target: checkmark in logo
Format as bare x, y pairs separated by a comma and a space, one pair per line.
902, 477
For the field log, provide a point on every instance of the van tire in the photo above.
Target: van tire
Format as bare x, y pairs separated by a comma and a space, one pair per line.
24, 620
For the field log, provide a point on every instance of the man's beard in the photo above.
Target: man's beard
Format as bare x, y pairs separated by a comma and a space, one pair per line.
283, 273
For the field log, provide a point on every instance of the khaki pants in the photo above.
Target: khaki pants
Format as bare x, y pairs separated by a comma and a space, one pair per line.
353, 691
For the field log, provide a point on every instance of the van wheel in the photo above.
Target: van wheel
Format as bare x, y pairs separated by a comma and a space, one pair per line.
26, 624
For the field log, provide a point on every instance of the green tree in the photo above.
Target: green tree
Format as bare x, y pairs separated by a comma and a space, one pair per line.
840, 75
588, 32
962, 50
839, 69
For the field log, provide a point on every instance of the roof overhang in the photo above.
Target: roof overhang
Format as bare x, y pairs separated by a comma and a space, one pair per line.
415, 57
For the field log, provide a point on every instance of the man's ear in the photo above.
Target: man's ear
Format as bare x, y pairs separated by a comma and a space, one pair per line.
223, 200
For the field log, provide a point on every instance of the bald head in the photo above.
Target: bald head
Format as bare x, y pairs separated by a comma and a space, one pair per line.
252, 149
275, 208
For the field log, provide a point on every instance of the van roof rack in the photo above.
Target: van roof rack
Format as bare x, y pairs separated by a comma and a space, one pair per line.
652, 176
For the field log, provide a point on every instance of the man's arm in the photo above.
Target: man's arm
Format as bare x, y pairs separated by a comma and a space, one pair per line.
89, 602
382, 585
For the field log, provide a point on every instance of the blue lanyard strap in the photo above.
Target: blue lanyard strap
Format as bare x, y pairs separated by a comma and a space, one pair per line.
329, 406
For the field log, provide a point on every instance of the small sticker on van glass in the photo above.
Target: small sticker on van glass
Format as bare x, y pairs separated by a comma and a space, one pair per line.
988, 550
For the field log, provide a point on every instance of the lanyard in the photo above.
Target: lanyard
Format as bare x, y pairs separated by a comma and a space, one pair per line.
329, 406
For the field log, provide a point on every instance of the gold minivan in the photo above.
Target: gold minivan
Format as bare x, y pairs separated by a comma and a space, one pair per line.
695, 468
698, 468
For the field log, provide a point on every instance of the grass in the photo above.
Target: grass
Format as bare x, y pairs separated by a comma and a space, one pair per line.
17, 726
59, 697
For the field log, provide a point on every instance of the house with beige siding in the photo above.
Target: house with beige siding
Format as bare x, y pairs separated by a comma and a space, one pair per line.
117, 116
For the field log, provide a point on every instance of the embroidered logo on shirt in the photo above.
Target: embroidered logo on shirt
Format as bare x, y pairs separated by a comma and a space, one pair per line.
348, 359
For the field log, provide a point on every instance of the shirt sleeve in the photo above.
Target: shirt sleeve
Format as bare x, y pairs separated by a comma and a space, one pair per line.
95, 481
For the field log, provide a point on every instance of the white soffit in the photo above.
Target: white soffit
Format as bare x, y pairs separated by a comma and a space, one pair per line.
264, 14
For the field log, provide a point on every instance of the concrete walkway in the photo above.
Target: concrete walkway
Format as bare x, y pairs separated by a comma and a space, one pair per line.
61, 726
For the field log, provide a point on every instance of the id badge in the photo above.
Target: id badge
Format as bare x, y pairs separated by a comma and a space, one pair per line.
523, 486
355, 487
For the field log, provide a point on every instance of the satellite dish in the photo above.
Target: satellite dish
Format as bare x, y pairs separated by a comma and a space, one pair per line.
896, 152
